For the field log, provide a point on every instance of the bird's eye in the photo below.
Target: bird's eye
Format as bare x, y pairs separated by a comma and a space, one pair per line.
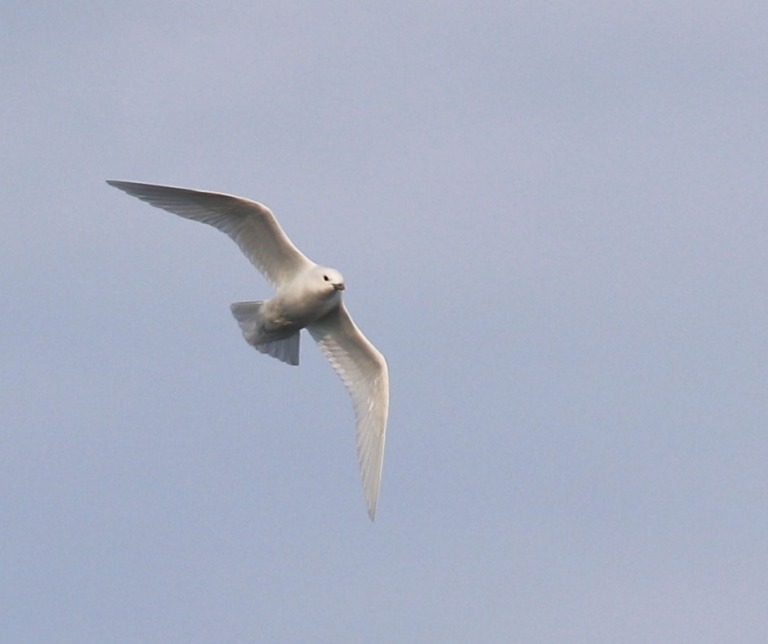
325, 277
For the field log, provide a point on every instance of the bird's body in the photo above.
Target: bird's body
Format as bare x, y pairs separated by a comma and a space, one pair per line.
307, 296
270, 326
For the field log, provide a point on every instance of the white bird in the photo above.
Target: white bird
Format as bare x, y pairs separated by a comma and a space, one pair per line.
307, 296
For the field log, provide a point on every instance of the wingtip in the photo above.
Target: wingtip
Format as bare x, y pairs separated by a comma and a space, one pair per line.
120, 184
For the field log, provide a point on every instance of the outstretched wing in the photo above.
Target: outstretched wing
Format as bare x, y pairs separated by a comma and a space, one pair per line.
364, 372
251, 225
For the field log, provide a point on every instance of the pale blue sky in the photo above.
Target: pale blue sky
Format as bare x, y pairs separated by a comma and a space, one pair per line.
553, 220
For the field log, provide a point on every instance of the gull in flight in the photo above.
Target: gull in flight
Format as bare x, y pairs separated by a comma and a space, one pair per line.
307, 296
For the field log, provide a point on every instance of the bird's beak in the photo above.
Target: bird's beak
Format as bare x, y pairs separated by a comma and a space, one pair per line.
339, 287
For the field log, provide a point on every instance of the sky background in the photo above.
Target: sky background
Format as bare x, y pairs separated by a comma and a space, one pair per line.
553, 221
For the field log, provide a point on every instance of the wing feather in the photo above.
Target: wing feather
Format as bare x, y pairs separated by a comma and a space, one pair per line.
364, 372
251, 225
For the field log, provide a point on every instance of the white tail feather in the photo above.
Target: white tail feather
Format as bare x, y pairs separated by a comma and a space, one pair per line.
248, 316
286, 350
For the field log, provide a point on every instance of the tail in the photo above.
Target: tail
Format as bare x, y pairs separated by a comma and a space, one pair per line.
248, 316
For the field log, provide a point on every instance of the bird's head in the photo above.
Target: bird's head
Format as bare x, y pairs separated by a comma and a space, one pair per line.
329, 280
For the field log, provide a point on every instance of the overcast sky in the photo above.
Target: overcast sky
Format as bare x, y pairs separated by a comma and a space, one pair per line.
552, 219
